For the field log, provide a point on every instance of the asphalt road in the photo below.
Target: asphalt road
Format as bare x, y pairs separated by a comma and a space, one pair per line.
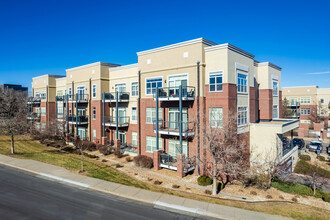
24, 196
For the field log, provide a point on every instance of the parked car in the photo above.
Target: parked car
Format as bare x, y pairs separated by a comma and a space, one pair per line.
328, 150
299, 142
285, 141
315, 145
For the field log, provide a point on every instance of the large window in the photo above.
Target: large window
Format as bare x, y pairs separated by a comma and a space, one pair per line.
275, 89
174, 147
215, 117
305, 100
135, 89
94, 113
43, 111
60, 110
59, 93
43, 126
134, 114
37, 95
151, 115
152, 84
134, 138
70, 91
120, 87
174, 118
43, 95
216, 82
275, 111
242, 116
292, 101
151, 144
305, 111
94, 91
94, 134
241, 83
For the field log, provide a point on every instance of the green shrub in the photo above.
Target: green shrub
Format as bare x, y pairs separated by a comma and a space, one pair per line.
305, 157
68, 149
305, 168
204, 181
326, 197
321, 158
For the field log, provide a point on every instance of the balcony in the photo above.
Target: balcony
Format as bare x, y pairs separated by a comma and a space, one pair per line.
172, 94
60, 98
129, 149
34, 100
80, 98
33, 116
169, 162
60, 116
172, 128
293, 103
81, 120
111, 97
111, 121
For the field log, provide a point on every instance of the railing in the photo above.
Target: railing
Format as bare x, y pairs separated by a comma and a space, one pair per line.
78, 97
79, 119
122, 96
128, 148
293, 103
60, 115
173, 92
174, 126
112, 120
34, 99
287, 147
189, 164
34, 115
169, 161
60, 98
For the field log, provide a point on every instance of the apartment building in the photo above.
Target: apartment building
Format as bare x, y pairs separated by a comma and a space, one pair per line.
159, 106
310, 104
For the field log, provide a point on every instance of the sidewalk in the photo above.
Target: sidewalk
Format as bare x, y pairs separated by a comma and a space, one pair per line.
157, 200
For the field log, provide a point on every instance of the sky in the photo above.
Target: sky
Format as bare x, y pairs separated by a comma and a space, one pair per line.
47, 37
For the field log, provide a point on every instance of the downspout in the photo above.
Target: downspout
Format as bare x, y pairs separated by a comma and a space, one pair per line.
180, 118
117, 116
139, 112
77, 114
89, 109
103, 114
67, 114
157, 121
47, 106
198, 118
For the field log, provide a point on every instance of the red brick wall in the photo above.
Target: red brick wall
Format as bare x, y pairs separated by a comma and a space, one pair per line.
280, 104
97, 122
252, 105
266, 104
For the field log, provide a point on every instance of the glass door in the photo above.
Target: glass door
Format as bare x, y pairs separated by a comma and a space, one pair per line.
175, 82
122, 138
174, 148
174, 117
80, 92
82, 133
122, 115
120, 87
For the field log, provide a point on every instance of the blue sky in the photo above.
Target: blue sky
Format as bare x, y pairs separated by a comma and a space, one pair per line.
47, 37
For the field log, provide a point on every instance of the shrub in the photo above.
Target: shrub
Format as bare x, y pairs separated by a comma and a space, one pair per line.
292, 187
118, 165
92, 156
68, 149
269, 197
106, 150
305, 157
157, 182
326, 197
208, 192
281, 197
260, 181
204, 181
128, 159
104, 160
321, 158
294, 199
118, 153
88, 145
99, 146
253, 193
174, 186
143, 161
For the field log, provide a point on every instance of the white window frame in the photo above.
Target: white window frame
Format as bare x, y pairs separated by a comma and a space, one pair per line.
246, 86
94, 135
277, 111
134, 139
275, 91
43, 111
158, 77
132, 117
119, 85
151, 147
94, 92
238, 114
214, 73
43, 95
94, 113
213, 122
185, 147
305, 111
303, 102
151, 110
136, 92
59, 93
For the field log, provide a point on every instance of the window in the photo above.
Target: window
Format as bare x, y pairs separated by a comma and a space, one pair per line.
120, 87
37, 110
275, 89
292, 101
43, 95
305, 121
275, 111
38, 125
135, 89
151, 115
305, 100
305, 111
242, 116
151, 144
174, 118
241, 83
151, 85
216, 82
59, 93
43, 111
215, 117
37, 95
70, 91
64, 91
94, 91
134, 139
174, 147
94, 113
94, 134
60, 110
134, 114
43, 126
321, 100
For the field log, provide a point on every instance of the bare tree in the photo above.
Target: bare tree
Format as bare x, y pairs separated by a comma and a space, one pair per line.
81, 146
227, 151
12, 114
287, 112
318, 115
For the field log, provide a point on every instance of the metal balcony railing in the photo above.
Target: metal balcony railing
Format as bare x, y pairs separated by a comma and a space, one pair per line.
169, 162
80, 119
128, 148
60, 98
34, 100
122, 121
293, 103
172, 93
78, 98
111, 97
172, 128
33, 116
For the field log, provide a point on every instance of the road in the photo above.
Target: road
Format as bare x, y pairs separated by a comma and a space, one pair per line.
24, 196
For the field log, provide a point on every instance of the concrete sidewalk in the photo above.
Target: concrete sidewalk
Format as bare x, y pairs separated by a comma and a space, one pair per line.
157, 200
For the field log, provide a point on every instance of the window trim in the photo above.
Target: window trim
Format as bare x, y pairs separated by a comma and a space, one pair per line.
210, 124
94, 136
161, 140
277, 90
310, 100
137, 89
247, 115
135, 134
247, 82
145, 89
222, 75
132, 114
93, 91
277, 113
161, 115
94, 118
305, 109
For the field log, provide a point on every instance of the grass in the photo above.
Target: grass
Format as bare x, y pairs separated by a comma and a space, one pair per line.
29, 149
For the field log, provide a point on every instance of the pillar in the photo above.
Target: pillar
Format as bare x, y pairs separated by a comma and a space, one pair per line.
117, 145
104, 140
180, 165
157, 159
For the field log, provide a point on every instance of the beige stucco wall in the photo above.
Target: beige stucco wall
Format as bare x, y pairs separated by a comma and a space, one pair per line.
305, 91
40, 84
324, 94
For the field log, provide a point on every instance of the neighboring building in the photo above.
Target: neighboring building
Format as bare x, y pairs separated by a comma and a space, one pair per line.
309, 103
15, 87
105, 102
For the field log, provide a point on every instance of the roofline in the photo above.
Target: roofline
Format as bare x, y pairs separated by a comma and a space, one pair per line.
230, 47
93, 64
257, 63
62, 78
299, 87
56, 76
171, 46
124, 67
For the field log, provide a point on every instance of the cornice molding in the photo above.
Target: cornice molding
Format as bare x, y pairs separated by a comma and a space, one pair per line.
93, 64
230, 47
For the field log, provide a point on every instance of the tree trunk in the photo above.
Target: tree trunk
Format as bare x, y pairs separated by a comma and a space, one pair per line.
12, 144
314, 188
214, 176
